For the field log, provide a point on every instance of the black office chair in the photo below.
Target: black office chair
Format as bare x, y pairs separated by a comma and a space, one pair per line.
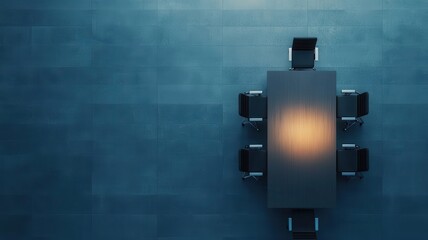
303, 224
253, 106
252, 161
303, 53
352, 160
351, 106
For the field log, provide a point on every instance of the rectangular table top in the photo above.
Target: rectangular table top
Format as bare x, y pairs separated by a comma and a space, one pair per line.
301, 139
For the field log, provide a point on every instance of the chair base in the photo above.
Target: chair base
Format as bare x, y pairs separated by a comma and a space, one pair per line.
349, 124
359, 175
253, 124
247, 175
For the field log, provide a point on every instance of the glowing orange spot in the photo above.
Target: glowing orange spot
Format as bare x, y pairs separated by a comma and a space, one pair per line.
306, 132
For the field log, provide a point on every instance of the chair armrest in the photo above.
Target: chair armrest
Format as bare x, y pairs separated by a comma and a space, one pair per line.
348, 173
349, 145
255, 119
255, 146
255, 92
255, 174
348, 91
316, 54
316, 224
348, 118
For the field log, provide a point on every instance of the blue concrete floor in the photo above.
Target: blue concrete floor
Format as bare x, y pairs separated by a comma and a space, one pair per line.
118, 118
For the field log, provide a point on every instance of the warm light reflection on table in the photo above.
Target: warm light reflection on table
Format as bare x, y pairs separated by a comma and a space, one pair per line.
305, 132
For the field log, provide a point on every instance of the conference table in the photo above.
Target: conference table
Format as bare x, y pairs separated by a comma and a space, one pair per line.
301, 139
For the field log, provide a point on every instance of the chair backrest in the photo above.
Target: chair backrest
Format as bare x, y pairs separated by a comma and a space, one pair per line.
304, 43
252, 106
303, 53
252, 160
244, 102
363, 104
363, 159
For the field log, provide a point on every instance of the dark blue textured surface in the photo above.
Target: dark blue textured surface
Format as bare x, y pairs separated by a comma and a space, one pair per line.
118, 118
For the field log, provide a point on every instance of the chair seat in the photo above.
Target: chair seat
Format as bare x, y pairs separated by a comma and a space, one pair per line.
252, 106
348, 161
252, 160
347, 106
303, 59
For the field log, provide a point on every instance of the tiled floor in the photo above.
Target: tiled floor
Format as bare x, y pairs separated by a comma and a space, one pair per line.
118, 118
